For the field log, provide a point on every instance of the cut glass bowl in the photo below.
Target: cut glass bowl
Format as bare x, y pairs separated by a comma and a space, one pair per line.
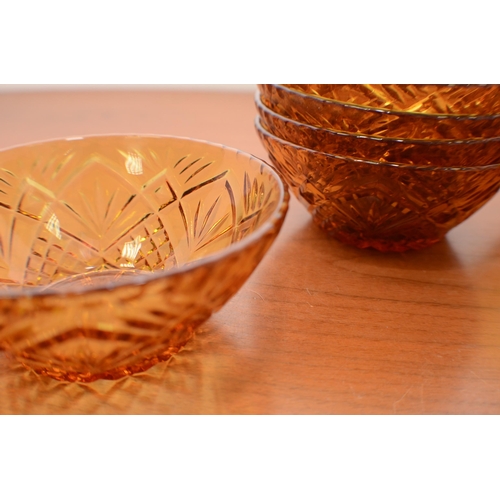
386, 206
418, 98
441, 153
353, 118
114, 249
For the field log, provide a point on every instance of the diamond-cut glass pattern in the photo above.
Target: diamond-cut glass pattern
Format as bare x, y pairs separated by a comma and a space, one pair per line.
384, 206
80, 217
440, 153
415, 98
341, 116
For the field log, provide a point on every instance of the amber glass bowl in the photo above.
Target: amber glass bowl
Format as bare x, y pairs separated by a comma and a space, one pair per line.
442, 153
353, 118
419, 98
114, 249
386, 206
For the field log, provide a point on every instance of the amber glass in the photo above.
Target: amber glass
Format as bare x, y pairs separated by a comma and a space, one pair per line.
114, 249
356, 119
420, 98
440, 153
385, 206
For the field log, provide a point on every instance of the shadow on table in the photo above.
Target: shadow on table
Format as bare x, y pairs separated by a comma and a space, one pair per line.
413, 332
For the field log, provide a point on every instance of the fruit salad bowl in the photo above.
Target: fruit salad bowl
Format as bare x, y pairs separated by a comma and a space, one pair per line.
114, 249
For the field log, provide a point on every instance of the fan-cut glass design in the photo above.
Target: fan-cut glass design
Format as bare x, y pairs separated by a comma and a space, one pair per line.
389, 207
353, 118
114, 249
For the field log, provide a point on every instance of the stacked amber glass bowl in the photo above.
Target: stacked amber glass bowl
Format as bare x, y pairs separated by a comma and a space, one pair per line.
392, 167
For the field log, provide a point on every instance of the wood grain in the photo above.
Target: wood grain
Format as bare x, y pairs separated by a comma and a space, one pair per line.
320, 328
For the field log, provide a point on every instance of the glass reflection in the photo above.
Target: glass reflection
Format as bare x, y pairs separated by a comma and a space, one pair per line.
133, 164
130, 251
54, 227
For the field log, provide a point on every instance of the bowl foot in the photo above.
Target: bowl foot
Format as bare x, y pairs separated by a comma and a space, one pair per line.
110, 374
384, 244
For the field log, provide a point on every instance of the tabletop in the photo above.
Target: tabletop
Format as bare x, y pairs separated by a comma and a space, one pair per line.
319, 328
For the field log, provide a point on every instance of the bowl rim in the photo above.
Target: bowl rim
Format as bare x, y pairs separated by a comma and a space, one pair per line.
260, 128
271, 222
375, 138
434, 116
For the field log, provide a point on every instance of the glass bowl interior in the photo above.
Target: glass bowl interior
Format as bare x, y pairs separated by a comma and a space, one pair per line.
125, 204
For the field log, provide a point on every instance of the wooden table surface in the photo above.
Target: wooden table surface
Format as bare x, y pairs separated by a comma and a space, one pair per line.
319, 328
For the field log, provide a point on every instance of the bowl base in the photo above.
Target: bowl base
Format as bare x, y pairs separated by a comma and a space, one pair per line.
383, 245
111, 374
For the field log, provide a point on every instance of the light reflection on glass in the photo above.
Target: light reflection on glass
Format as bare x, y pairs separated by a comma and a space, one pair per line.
130, 251
54, 227
133, 164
